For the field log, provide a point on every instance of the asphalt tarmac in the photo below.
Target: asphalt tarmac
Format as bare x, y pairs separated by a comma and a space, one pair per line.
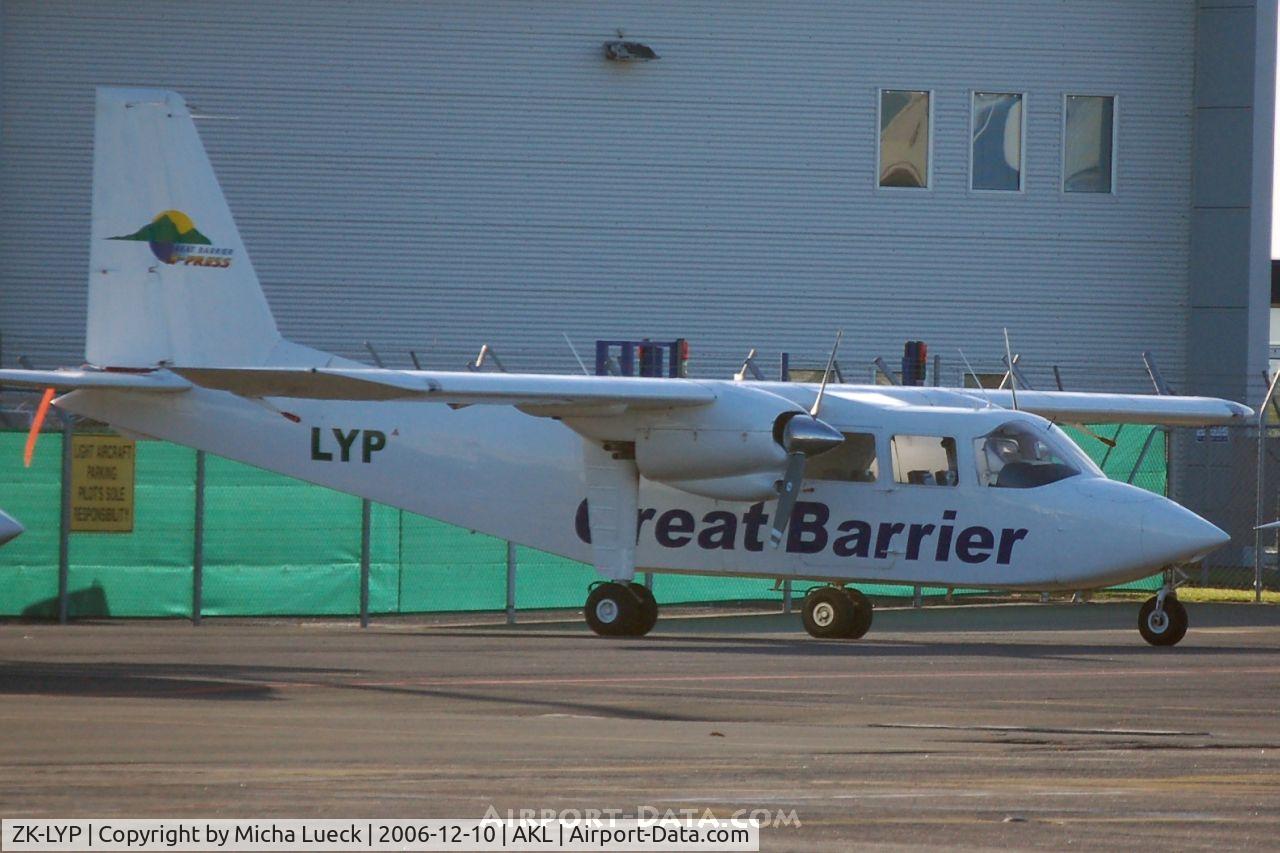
1011, 726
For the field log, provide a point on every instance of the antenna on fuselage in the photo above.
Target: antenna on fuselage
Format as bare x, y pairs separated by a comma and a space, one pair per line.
976, 380
574, 350
1013, 375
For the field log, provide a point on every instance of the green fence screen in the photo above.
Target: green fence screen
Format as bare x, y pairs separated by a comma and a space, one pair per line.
278, 546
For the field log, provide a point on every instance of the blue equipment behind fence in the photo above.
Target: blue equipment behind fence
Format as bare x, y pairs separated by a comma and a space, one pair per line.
653, 358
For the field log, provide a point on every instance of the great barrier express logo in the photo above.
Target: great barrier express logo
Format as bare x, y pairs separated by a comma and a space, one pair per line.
174, 239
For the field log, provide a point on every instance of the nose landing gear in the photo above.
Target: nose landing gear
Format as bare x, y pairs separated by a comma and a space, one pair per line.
836, 612
1162, 621
621, 609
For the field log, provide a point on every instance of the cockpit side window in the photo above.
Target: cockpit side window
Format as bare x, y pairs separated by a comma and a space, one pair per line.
1016, 455
853, 462
925, 460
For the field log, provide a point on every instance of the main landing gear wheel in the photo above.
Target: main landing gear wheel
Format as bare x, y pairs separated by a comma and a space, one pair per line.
621, 610
648, 615
1162, 625
835, 612
863, 611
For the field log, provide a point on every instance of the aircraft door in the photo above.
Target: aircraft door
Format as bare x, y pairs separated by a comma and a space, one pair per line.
844, 492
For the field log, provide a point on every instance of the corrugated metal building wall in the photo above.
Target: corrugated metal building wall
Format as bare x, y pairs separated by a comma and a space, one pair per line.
434, 176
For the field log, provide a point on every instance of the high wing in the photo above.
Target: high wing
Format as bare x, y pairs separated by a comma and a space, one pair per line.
371, 384
1073, 406
1167, 410
526, 390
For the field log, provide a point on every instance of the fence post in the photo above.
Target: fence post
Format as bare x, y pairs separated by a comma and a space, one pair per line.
365, 510
197, 555
917, 596
1260, 508
511, 583
64, 524
786, 596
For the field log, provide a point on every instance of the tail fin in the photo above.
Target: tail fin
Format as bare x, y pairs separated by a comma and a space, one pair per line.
169, 280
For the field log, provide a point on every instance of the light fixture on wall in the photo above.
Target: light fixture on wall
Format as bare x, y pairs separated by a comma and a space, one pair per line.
628, 51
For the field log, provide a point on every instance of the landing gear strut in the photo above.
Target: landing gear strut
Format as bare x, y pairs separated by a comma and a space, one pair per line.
621, 609
1162, 621
836, 612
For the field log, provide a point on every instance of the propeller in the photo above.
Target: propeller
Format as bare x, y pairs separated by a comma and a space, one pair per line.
36, 423
803, 435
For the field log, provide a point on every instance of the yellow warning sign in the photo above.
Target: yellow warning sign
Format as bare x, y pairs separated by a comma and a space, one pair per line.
101, 484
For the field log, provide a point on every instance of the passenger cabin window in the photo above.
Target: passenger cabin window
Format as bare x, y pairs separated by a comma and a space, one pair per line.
924, 460
853, 462
1088, 143
1017, 456
904, 138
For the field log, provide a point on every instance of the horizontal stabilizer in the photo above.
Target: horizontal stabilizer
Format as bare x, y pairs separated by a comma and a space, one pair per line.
457, 388
70, 380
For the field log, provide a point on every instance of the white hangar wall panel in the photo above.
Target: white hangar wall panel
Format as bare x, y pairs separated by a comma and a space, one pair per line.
434, 176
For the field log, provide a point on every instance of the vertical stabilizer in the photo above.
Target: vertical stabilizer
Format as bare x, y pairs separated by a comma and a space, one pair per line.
169, 280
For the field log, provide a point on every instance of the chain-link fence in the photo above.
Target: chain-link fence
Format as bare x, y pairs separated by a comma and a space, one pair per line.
1231, 475
273, 545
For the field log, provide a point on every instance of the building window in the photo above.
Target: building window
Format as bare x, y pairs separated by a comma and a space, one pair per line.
924, 460
904, 138
854, 461
1088, 144
997, 141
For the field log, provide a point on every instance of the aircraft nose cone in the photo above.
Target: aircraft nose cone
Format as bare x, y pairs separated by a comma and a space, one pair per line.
1174, 534
9, 528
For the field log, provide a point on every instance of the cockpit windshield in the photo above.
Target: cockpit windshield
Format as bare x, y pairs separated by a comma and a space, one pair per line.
1021, 455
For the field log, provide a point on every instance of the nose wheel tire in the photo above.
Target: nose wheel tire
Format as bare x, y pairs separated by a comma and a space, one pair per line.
1162, 626
620, 610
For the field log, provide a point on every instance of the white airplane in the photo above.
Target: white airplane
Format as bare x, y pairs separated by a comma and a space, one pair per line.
831, 484
9, 527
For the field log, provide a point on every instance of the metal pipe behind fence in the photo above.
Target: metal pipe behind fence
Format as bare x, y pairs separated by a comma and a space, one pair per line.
1142, 455
1259, 508
365, 512
64, 524
197, 554
511, 583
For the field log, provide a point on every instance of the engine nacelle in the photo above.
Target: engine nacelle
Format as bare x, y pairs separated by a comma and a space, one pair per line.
725, 464
706, 451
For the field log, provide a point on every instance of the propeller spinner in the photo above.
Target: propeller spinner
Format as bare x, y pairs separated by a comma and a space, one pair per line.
803, 435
